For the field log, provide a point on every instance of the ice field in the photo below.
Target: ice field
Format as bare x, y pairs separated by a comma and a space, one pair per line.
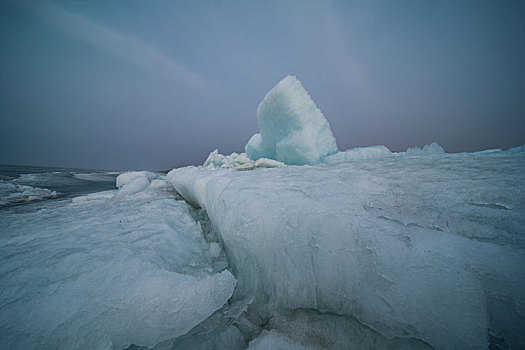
290, 245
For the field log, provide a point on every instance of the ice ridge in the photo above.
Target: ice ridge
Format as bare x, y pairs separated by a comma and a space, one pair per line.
395, 244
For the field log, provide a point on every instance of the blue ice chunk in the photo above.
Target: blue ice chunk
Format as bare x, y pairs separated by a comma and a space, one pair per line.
292, 129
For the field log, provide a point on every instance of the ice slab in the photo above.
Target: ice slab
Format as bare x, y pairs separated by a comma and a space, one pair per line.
100, 273
292, 129
422, 247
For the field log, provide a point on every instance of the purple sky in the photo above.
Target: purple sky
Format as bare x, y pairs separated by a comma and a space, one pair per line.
154, 85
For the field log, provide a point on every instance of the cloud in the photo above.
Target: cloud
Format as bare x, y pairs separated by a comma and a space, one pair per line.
125, 46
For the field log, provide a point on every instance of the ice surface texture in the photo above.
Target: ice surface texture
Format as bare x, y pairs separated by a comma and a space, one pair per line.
292, 129
424, 247
108, 269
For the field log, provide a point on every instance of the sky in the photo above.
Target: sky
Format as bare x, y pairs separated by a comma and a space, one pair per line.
154, 85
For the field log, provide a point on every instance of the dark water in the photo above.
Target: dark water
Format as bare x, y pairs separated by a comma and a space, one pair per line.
26, 186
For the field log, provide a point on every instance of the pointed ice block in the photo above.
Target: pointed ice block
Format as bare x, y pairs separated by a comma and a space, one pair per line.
292, 129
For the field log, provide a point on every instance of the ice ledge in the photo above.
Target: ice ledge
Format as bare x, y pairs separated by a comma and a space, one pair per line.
351, 241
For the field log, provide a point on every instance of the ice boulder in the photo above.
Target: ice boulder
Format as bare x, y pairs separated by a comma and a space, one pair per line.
132, 182
130, 176
292, 129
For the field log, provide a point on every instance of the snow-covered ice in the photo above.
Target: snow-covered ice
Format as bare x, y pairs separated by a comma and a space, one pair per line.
292, 129
100, 273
